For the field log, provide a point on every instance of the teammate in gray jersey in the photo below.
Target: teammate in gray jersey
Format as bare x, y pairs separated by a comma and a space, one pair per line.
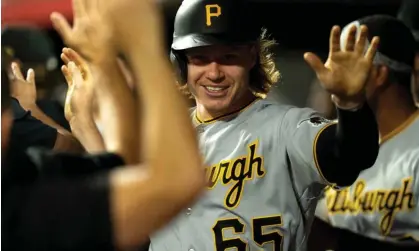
381, 208
266, 163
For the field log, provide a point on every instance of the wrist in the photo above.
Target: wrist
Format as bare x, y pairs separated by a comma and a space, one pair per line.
29, 106
348, 104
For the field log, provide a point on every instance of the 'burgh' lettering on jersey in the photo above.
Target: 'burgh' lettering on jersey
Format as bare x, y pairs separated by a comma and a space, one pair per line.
235, 173
383, 202
263, 183
388, 202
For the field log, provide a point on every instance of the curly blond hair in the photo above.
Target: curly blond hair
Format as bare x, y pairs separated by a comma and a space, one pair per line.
263, 75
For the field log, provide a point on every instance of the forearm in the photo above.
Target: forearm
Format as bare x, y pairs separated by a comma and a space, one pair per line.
140, 198
117, 111
348, 147
85, 130
65, 141
168, 128
37, 113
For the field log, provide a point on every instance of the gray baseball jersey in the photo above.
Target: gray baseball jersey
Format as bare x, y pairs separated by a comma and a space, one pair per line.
263, 183
382, 203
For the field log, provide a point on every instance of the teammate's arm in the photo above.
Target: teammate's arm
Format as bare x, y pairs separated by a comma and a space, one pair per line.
344, 149
164, 178
65, 141
28, 131
341, 151
80, 99
334, 152
143, 198
170, 144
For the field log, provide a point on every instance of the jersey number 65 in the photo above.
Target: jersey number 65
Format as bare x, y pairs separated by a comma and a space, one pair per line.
260, 237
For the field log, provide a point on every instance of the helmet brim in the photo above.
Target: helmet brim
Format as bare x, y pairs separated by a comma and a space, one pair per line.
198, 40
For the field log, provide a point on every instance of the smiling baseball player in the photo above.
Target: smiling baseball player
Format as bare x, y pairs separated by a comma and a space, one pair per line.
266, 163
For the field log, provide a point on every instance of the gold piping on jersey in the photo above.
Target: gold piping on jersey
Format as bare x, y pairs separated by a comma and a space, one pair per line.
385, 201
400, 128
316, 162
208, 121
236, 172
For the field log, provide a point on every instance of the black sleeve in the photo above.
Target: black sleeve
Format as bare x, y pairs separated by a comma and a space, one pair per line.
55, 111
56, 164
58, 214
27, 131
351, 145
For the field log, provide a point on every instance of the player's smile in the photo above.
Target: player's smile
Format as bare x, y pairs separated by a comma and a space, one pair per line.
215, 91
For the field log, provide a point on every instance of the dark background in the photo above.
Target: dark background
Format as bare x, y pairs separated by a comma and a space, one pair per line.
297, 25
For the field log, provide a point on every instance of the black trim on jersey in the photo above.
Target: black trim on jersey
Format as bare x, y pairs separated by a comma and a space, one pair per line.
225, 115
345, 149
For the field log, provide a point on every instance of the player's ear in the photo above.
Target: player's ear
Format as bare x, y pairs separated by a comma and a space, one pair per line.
254, 53
381, 76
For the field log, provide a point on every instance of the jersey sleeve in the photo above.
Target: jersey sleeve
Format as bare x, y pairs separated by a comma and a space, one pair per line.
415, 166
300, 129
27, 131
60, 164
57, 214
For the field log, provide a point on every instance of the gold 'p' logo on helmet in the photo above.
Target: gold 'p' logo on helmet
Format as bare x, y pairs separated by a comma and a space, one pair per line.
212, 10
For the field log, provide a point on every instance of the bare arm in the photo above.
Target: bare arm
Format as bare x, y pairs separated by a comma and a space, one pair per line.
117, 111
65, 141
171, 153
86, 132
24, 90
145, 198
79, 101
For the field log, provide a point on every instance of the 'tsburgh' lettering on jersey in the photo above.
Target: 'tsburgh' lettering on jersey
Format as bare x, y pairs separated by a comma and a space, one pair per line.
235, 172
387, 202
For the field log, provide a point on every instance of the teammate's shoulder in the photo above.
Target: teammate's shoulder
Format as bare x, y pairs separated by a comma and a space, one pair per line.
403, 134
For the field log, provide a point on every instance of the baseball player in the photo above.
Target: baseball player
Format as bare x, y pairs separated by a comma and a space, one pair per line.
382, 203
266, 163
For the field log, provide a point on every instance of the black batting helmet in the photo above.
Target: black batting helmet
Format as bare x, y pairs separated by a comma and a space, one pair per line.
409, 14
210, 22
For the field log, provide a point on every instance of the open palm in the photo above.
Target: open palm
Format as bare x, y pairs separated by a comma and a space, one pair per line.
89, 34
23, 89
346, 70
80, 84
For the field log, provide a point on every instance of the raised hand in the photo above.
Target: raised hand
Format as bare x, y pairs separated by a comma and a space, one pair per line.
90, 34
80, 84
346, 70
24, 90
130, 17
